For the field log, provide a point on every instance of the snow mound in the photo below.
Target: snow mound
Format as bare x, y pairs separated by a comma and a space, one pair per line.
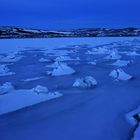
92, 63
134, 53
113, 55
121, 63
65, 58
86, 82
40, 89
44, 60
100, 50
119, 74
61, 69
5, 88
4, 70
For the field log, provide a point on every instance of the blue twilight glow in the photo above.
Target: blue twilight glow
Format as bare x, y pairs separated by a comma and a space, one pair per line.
70, 13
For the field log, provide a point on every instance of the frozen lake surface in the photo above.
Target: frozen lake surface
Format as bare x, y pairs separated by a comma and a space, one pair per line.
96, 109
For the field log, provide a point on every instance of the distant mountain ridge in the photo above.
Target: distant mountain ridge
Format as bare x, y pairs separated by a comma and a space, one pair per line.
18, 32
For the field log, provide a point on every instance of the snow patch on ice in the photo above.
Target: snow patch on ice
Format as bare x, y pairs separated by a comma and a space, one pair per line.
32, 79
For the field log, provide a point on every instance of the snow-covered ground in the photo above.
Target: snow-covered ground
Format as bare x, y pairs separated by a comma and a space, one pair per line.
98, 78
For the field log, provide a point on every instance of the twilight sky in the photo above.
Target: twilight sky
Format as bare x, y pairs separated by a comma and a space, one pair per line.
61, 14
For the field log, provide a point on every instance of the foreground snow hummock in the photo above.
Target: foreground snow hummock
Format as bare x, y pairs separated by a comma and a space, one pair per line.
18, 99
5, 88
121, 63
61, 69
119, 74
4, 71
86, 82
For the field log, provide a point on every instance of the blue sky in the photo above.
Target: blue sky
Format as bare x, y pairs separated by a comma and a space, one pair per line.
70, 13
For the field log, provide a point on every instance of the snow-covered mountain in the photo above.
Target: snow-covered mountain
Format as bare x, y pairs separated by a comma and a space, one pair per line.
18, 32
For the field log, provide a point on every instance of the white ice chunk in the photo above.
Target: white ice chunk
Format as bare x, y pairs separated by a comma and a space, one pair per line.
86, 82
4, 71
5, 88
121, 63
92, 63
113, 55
40, 89
44, 60
100, 50
61, 69
63, 58
133, 53
119, 74
12, 57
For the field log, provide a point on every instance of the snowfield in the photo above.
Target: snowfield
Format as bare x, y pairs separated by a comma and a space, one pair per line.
70, 89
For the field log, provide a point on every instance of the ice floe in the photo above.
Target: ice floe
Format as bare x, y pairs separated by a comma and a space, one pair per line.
121, 63
61, 69
119, 74
4, 70
5, 88
86, 82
